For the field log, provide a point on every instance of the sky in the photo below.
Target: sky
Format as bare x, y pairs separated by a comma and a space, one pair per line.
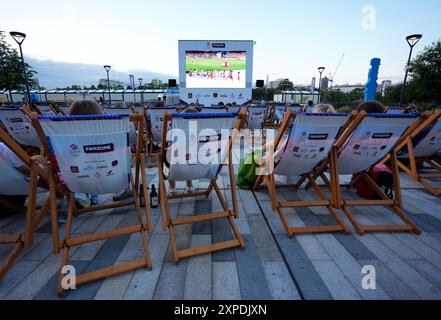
292, 37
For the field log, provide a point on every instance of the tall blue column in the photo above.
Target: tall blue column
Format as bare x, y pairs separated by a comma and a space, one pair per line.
370, 90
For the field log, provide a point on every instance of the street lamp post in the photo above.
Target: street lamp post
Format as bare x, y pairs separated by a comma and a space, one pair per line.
107, 68
320, 70
412, 40
19, 37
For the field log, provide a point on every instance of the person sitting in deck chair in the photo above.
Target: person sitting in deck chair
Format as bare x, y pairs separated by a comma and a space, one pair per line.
11, 158
80, 108
320, 108
372, 107
172, 183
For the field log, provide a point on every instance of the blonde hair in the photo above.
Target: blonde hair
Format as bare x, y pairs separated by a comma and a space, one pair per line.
323, 108
85, 107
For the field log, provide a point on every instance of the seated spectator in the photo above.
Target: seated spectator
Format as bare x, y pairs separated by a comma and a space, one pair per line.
372, 107
10, 157
323, 108
81, 108
172, 183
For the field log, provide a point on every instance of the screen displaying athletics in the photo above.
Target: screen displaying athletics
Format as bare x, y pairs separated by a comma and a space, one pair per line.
216, 69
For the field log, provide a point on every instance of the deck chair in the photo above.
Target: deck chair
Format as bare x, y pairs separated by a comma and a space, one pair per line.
15, 183
19, 127
214, 109
154, 119
294, 108
91, 154
422, 146
46, 110
310, 139
256, 117
65, 109
367, 141
394, 110
133, 136
234, 109
209, 150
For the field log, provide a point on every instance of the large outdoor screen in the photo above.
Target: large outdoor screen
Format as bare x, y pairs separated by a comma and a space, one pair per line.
216, 69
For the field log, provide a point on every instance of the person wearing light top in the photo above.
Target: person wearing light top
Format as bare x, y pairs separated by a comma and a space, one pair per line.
6, 155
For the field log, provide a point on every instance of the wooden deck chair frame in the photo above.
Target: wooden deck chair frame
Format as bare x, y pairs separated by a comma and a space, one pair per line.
271, 186
148, 141
394, 204
168, 222
71, 241
33, 217
434, 161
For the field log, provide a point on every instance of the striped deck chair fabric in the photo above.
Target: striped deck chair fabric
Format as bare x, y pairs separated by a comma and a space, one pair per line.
91, 154
197, 147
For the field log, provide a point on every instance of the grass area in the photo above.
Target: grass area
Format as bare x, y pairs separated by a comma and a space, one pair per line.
214, 64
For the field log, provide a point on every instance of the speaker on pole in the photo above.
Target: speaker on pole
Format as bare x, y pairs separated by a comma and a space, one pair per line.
172, 83
260, 84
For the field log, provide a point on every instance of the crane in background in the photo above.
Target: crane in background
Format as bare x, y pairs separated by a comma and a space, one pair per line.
332, 76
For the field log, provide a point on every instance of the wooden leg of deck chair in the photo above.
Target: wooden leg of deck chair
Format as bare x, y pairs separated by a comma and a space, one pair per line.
54, 212
173, 243
210, 188
357, 226
236, 232
146, 195
10, 259
35, 222
335, 216
409, 226
142, 229
271, 186
300, 182
32, 203
232, 184
429, 187
66, 248
230, 217
284, 222
258, 182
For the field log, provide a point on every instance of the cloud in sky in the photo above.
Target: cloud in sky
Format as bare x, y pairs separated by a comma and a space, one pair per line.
293, 37
53, 74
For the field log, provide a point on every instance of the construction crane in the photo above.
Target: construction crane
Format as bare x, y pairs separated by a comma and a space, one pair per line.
332, 76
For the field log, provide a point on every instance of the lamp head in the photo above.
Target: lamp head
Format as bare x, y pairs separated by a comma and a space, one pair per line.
321, 69
413, 39
140, 79
107, 68
18, 36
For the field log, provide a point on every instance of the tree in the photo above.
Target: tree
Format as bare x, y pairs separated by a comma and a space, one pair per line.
285, 85
425, 85
11, 70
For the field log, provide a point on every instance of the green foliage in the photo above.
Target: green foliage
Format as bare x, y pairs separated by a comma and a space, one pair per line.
260, 94
426, 80
285, 85
11, 70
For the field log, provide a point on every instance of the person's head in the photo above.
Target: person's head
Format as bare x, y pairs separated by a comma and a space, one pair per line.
234, 104
310, 103
190, 110
372, 107
85, 107
411, 109
221, 104
323, 108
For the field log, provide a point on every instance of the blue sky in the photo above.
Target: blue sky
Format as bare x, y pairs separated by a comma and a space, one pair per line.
292, 38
